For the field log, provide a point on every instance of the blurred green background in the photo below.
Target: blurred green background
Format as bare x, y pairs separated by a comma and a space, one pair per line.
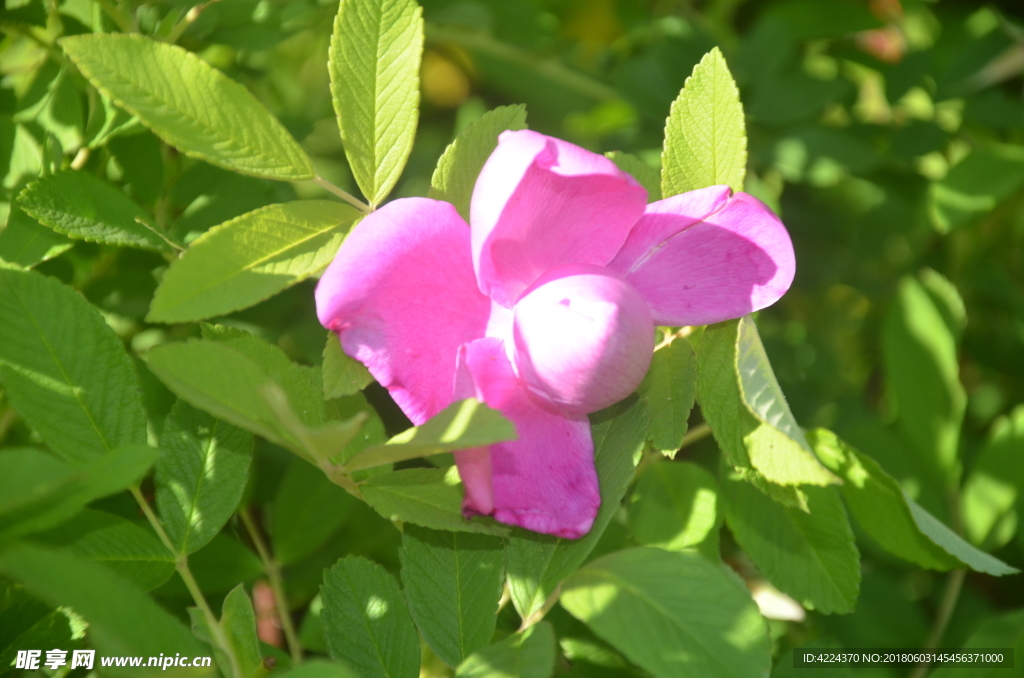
889, 135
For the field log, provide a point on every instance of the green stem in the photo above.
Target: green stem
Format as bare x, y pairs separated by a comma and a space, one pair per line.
344, 195
544, 609
181, 565
552, 70
950, 596
273, 571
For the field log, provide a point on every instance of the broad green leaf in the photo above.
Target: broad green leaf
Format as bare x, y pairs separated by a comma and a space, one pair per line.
668, 392
675, 614
27, 623
648, 177
250, 258
809, 556
429, 497
742, 401
366, 622
923, 376
453, 583
25, 242
995, 484
374, 64
954, 545
460, 426
81, 206
189, 104
342, 375
460, 164
238, 620
122, 619
107, 121
705, 136
947, 300
129, 549
308, 509
527, 654
537, 563
21, 158
675, 506
44, 502
975, 185
879, 504
200, 475
319, 668
64, 370
248, 382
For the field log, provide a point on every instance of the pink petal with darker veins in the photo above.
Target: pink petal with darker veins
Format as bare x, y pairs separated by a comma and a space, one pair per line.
545, 480
540, 202
702, 257
402, 295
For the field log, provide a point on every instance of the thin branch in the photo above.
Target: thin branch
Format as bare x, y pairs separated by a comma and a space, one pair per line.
698, 432
273, 572
950, 596
344, 195
181, 565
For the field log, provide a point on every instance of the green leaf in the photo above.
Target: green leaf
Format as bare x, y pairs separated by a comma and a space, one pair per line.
42, 502
890, 517
228, 379
809, 556
453, 582
239, 622
538, 563
200, 476
742, 402
122, 619
648, 177
342, 375
705, 136
366, 623
374, 64
527, 654
319, 668
675, 506
975, 185
64, 370
25, 628
129, 549
81, 206
429, 497
462, 425
460, 164
923, 376
189, 104
675, 614
25, 242
250, 258
218, 567
668, 392
995, 484
308, 509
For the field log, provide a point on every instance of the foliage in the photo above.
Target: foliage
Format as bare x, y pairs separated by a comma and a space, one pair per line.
190, 464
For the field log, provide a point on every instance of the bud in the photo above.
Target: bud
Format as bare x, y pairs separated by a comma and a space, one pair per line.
583, 338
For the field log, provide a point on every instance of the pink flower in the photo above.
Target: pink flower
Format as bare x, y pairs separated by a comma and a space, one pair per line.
544, 308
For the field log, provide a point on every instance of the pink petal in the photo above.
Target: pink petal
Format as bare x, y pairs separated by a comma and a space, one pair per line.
402, 295
703, 257
545, 480
540, 202
584, 338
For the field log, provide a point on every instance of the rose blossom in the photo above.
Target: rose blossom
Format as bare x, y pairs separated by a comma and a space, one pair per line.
544, 307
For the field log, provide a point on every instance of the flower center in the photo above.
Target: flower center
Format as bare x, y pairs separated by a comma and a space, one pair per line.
583, 338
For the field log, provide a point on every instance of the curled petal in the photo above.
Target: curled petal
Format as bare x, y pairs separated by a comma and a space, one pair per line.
545, 480
540, 202
703, 257
584, 338
402, 296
